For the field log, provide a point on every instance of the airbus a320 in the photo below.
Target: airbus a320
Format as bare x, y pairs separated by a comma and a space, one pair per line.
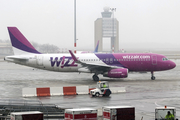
112, 65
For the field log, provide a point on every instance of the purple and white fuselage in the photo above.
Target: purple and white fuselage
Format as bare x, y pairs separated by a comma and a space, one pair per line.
115, 65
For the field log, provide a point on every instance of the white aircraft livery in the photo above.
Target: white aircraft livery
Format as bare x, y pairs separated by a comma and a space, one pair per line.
113, 65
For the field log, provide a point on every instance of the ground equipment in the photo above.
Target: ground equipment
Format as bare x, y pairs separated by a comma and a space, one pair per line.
118, 113
163, 113
101, 89
29, 115
80, 114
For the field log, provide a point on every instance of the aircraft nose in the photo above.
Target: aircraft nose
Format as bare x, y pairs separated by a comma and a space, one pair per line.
172, 65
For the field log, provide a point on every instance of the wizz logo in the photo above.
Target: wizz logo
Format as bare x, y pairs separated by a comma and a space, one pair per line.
62, 61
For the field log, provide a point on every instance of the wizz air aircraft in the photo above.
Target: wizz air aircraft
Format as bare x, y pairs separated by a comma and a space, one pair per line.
112, 65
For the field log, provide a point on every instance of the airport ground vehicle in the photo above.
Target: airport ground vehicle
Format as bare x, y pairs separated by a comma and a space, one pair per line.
118, 113
80, 114
29, 115
161, 113
101, 89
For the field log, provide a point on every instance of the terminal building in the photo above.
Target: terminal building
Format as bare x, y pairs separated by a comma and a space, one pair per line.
107, 27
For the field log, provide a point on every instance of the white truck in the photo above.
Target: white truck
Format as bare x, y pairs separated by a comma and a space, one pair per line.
162, 113
101, 89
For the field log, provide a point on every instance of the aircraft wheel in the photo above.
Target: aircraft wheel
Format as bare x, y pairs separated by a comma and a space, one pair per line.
95, 78
153, 78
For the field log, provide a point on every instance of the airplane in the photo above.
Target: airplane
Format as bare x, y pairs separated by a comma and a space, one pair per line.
112, 65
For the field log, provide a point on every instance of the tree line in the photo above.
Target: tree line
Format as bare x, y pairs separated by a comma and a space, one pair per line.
43, 48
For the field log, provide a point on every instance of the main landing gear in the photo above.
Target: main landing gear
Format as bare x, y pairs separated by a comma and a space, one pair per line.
152, 76
95, 77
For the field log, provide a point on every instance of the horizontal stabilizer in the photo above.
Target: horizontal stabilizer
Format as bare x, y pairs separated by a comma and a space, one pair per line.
15, 58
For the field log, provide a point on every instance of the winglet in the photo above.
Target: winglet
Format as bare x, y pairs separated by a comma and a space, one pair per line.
96, 49
73, 56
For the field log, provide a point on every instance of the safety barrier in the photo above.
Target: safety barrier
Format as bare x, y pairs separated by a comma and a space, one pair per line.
52, 91
43, 91
68, 90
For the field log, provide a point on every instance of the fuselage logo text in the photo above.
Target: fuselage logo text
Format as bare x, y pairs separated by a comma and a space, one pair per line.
62, 61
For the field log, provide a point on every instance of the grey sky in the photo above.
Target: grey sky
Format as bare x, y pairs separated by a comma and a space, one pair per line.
145, 24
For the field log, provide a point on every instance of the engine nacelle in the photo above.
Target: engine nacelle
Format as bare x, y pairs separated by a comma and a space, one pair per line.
117, 73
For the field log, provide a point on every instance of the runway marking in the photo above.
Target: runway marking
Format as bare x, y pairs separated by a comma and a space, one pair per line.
157, 104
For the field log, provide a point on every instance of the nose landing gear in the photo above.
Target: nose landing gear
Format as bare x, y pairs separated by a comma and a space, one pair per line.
152, 76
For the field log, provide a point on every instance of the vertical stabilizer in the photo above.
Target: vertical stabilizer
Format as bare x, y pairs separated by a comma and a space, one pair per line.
19, 43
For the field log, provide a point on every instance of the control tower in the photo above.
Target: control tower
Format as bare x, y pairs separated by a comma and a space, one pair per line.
107, 26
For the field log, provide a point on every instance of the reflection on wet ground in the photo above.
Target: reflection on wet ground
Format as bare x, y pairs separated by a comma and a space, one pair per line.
142, 92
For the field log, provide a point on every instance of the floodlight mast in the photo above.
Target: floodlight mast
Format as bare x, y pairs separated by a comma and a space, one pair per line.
74, 26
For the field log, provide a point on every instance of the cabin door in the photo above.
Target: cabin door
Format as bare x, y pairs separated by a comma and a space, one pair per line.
154, 59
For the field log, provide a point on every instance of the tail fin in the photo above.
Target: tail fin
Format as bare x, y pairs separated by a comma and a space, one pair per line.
19, 43
96, 49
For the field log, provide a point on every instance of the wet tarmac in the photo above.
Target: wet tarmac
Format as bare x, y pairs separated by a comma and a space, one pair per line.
141, 92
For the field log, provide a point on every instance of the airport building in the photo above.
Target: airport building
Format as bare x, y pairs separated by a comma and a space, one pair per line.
107, 27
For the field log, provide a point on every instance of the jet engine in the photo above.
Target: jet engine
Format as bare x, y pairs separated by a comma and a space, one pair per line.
117, 73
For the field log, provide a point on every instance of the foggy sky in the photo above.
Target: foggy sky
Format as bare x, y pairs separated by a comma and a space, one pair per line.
147, 24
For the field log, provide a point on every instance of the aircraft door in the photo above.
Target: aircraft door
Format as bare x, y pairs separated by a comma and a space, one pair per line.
154, 59
39, 60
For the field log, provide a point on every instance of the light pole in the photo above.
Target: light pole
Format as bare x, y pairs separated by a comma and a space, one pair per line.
74, 26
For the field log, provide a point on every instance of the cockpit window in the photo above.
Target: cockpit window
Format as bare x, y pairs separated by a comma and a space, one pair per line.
164, 59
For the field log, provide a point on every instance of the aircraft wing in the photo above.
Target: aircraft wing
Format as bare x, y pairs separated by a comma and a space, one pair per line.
92, 66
